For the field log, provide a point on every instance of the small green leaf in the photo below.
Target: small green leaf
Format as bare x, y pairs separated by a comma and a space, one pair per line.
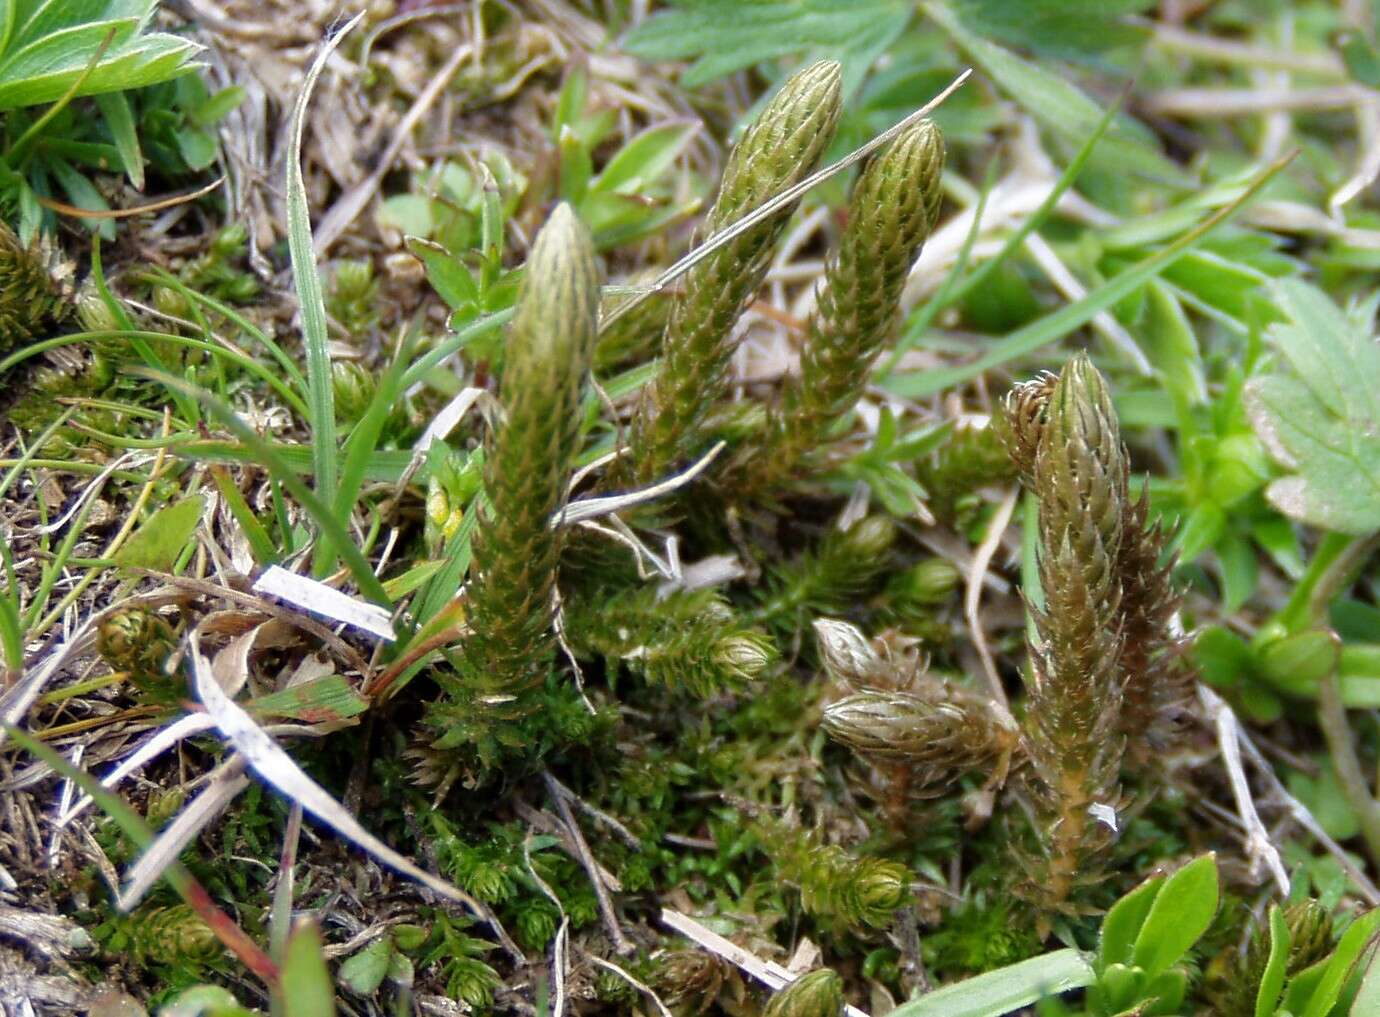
645, 158
119, 119
1295, 664
363, 972
1224, 659
158, 541
321, 700
1123, 922
218, 106
197, 147
306, 989
1182, 912
447, 274
411, 214
1272, 980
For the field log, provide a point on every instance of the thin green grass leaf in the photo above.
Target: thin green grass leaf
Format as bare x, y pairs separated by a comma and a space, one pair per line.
268, 458
1060, 323
306, 278
1006, 989
952, 290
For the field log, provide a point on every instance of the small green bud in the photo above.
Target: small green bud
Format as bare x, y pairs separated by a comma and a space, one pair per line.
353, 389
230, 242
745, 656
869, 538
1310, 934
136, 640
170, 302
173, 935
847, 655
353, 279
927, 583
93, 312
689, 979
241, 288
817, 994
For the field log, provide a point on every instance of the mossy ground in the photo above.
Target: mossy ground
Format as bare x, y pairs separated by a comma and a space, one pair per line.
684, 765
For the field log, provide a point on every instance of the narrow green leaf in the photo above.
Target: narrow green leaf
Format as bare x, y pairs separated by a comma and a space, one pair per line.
1060, 323
1272, 980
158, 541
1006, 989
1367, 999
265, 455
120, 119
1182, 911
645, 158
306, 278
1353, 943
322, 700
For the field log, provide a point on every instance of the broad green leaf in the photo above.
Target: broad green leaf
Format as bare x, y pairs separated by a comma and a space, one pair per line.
1321, 421
1123, 923
158, 541
1182, 912
306, 989
727, 35
1272, 979
1060, 106
1005, 989
53, 43
1070, 28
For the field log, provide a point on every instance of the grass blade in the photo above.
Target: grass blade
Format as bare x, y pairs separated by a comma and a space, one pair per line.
320, 398
1071, 316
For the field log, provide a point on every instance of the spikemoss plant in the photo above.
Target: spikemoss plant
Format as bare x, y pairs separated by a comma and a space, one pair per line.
689, 639
510, 602
892, 210
1064, 438
780, 148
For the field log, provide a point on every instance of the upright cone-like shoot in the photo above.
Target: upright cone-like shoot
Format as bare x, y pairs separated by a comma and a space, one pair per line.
780, 148
529, 461
890, 214
1068, 446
